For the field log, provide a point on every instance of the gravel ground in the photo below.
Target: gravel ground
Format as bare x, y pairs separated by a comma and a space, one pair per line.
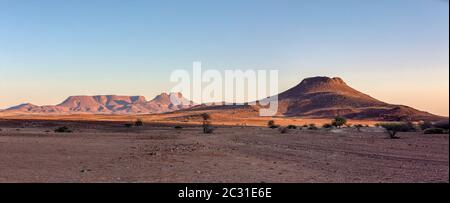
112, 153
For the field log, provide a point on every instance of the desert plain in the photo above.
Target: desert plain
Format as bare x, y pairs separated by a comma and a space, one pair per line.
104, 150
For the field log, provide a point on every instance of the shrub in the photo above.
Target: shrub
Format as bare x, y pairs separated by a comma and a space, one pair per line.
312, 126
138, 123
274, 126
208, 129
327, 126
63, 129
434, 131
292, 127
339, 121
305, 126
284, 130
358, 127
178, 127
424, 125
393, 128
128, 125
441, 124
271, 124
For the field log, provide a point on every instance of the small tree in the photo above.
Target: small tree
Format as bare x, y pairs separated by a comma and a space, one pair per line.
139, 123
393, 128
207, 128
339, 121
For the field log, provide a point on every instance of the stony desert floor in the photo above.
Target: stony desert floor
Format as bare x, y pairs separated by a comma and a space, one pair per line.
110, 152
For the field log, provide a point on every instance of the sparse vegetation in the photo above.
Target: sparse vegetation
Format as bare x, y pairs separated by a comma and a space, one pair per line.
63, 129
271, 124
425, 125
358, 127
312, 126
327, 126
128, 125
292, 127
207, 128
442, 124
393, 128
434, 131
178, 127
339, 121
139, 123
305, 126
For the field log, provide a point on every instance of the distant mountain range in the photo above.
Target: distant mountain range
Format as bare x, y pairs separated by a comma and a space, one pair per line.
316, 97
107, 104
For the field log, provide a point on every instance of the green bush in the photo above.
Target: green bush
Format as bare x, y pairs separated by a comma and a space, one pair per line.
327, 126
63, 129
434, 131
339, 121
292, 127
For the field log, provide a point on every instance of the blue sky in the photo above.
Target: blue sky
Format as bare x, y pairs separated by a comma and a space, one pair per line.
394, 50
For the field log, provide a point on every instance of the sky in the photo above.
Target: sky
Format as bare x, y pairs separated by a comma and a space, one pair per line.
394, 50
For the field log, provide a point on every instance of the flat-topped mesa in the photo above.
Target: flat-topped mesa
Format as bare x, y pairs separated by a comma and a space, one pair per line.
23, 106
322, 80
320, 85
102, 99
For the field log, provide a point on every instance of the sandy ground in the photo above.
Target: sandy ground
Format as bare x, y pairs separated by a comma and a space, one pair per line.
110, 152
